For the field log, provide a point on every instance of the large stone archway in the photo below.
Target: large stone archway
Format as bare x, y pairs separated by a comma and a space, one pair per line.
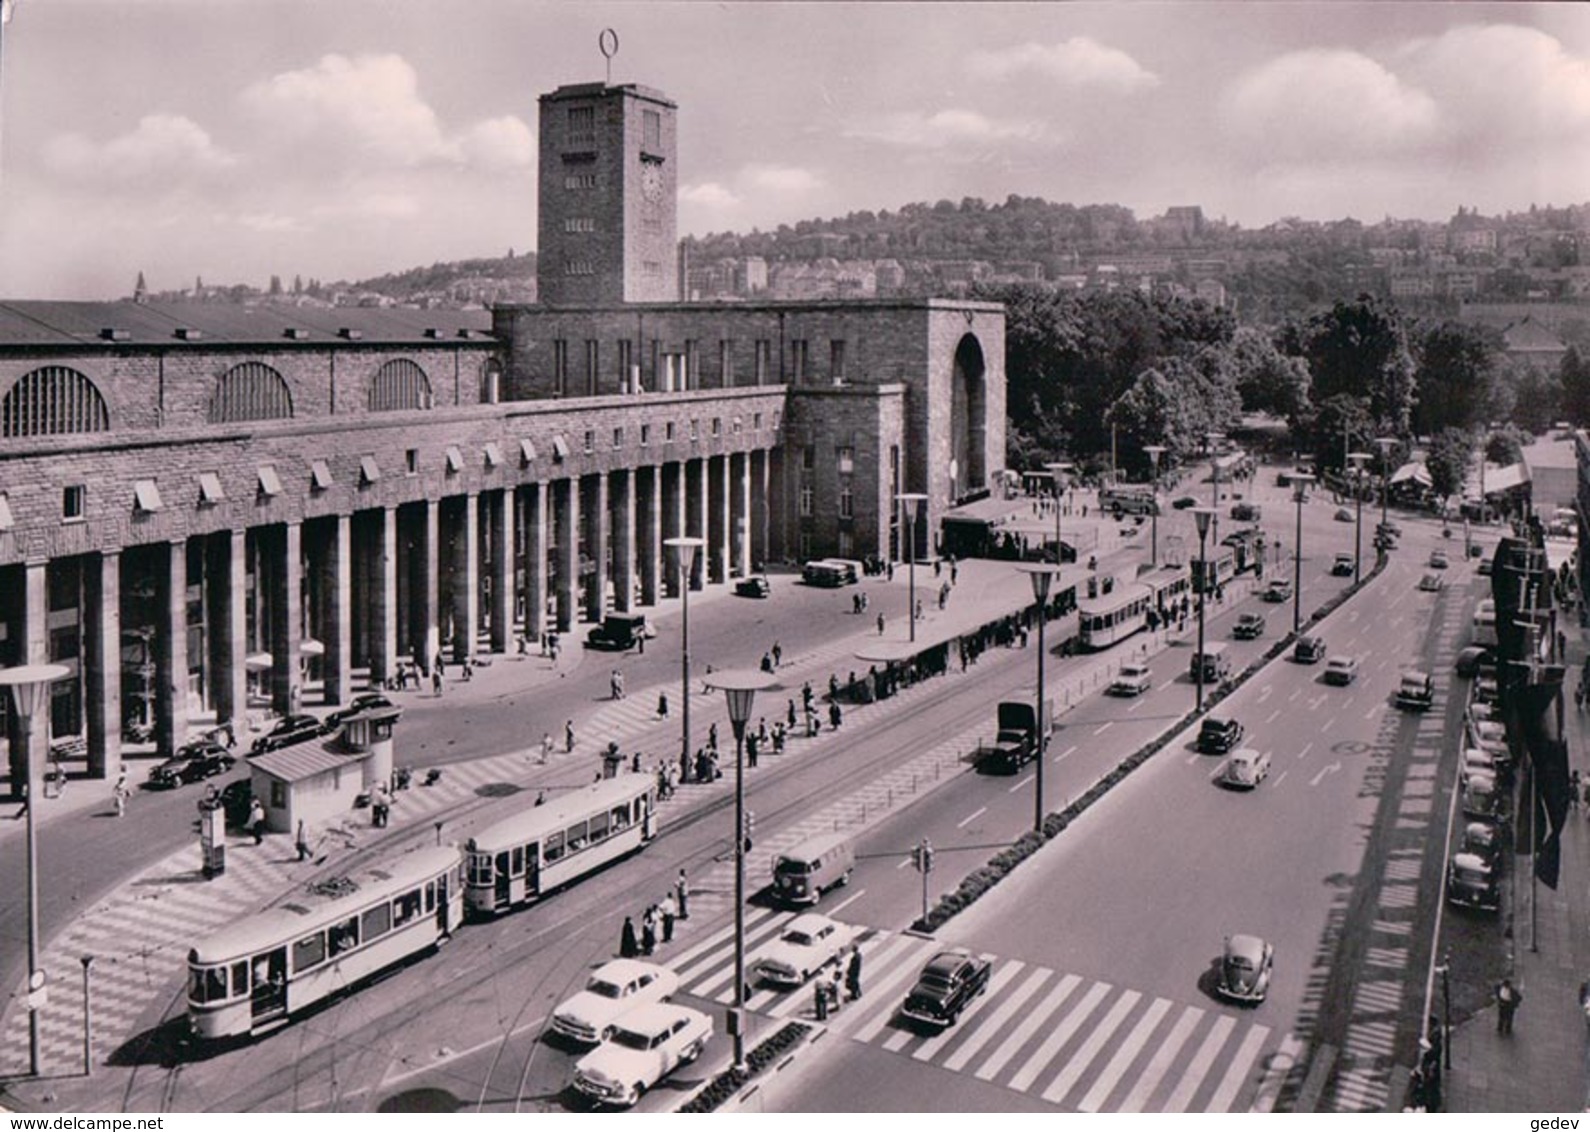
968, 419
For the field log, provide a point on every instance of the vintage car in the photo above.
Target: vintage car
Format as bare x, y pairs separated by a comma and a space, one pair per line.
612, 990
641, 1048
1471, 883
364, 701
1416, 691
1245, 768
946, 987
1217, 736
1344, 515
289, 731
1432, 584
1482, 798
1472, 659
755, 586
193, 762
1439, 560
1278, 590
1483, 840
1309, 650
1342, 566
1132, 680
1245, 969
620, 632
810, 942
1341, 670
1249, 626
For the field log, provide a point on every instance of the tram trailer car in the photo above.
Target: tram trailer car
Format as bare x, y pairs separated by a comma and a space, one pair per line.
259, 972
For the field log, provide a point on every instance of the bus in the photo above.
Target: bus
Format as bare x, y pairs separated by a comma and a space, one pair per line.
259, 972
1114, 616
830, 573
526, 856
1128, 499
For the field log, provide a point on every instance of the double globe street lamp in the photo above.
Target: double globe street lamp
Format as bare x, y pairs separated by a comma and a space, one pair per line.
1300, 482
909, 502
1155, 451
1041, 575
1058, 474
739, 689
684, 549
1358, 460
30, 696
1202, 516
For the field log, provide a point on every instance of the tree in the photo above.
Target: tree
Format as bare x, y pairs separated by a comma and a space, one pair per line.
1267, 380
276, 285
1338, 425
1359, 349
1447, 461
1573, 378
1506, 445
1537, 398
1455, 375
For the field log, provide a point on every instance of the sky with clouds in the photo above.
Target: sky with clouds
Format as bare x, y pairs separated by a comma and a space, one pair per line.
337, 139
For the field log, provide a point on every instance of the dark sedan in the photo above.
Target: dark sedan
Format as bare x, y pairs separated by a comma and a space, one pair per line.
289, 731
946, 987
362, 702
192, 763
1217, 736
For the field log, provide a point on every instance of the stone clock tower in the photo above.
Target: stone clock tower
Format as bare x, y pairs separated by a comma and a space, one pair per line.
609, 226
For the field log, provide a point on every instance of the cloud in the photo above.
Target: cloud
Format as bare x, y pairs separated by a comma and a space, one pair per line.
1502, 84
499, 143
778, 179
952, 127
1323, 103
161, 149
709, 194
368, 110
1076, 62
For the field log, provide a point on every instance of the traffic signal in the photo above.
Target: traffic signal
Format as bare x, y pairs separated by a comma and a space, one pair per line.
748, 829
922, 856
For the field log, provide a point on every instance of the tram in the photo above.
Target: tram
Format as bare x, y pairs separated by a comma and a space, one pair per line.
1112, 617
523, 857
260, 971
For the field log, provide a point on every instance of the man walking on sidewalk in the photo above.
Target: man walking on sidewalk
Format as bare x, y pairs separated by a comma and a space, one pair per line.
1508, 998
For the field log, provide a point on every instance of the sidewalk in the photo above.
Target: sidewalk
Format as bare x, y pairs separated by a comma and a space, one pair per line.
1541, 1066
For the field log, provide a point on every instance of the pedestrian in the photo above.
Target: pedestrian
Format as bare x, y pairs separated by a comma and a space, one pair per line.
441, 664
712, 736
682, 891
469, 669
256, 821
835, 716
662, 705
880, 624
546, 746
853, 973
634, 764
890, 570
767, 662
436, 681
836, 985
301, 839
751, 746
820, 1000
627, 947
568, 735
761, 730
120, 793
955, 571
541, 797
778, 654
790, 717
648, 931
1508, 999
640, 642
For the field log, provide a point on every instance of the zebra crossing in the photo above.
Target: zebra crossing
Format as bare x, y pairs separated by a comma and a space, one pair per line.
1080, 1044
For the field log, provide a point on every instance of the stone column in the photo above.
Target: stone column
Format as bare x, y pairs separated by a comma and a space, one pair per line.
761, 551
171, 652
102, 664
384, 606
649, 531
502, 506
622, 497
535, 560
287, 620
596, 546
741, 559
227, 554
568, 526
674, 492
429, 582
696, 520
337, 583
722, 522
466, 580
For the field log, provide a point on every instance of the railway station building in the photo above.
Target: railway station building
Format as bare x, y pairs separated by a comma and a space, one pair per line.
207, 507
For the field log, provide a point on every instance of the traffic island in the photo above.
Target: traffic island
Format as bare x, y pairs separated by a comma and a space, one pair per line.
769, 1054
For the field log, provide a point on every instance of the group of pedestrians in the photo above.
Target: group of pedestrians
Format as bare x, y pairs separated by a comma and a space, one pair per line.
844, 984
656, 922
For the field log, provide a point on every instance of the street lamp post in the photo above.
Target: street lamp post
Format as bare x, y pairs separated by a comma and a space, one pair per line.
685, 549
739, 689
1057, 474
1300, 484
1202, 516
1358, 459
1040, 576
1214, 439
30, 695
1155, 451
909, 501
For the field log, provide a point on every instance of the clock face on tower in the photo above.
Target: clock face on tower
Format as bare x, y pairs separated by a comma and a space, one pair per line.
651, 181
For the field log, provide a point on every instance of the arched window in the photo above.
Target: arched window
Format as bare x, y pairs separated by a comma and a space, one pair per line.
252, 391
51, 401
400, 384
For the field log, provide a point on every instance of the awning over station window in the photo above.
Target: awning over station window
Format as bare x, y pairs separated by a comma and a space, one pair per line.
320, 475
527, 451
369, 470
560, 448
146, 496
270, 483
455, 460
210, 489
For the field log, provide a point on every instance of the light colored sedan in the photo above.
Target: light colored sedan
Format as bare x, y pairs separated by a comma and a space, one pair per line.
1246, 768
643, 1047
1132, 680
1245, 969
809, 943
1341, 670
612, 990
